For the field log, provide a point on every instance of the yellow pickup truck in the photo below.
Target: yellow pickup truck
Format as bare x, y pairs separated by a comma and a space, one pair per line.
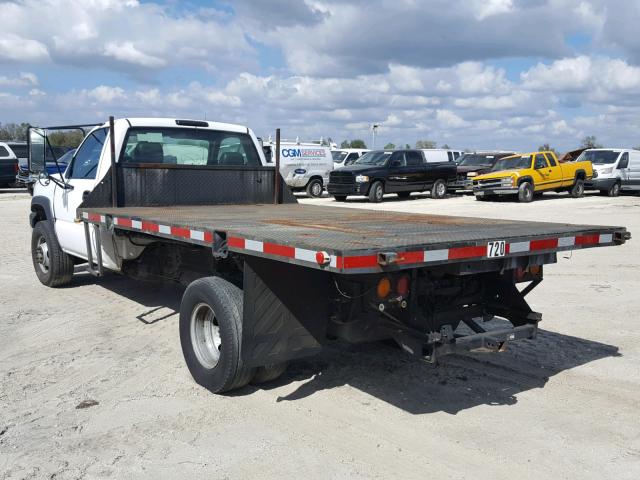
529, 174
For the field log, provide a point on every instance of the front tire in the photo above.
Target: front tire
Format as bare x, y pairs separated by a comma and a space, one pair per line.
614, 191
577, 190
314, 188
525, 192
211, 334
376, 192
439, 189
54, 268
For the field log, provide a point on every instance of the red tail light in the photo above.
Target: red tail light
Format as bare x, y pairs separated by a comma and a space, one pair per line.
402, 286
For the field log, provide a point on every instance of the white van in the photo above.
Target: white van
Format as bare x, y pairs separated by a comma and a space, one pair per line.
441, 155
346, 156
614, 169
304, 166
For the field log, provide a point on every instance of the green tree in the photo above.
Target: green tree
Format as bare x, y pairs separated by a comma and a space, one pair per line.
357, 143
345, 144
546, 148
407, 146
390, 146
14, 131
446, 146
590, 142
425, 144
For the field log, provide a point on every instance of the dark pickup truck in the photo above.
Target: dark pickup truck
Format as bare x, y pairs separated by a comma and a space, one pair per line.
471, 165
391, 171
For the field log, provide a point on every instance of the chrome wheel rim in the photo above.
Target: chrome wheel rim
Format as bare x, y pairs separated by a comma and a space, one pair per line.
316, 189
42, 255
616, 189
441, 189
379, 192
205, 335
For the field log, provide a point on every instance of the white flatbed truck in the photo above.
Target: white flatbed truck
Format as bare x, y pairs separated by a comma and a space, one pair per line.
269, 280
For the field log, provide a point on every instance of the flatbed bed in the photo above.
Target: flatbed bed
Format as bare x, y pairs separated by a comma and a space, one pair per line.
356, 240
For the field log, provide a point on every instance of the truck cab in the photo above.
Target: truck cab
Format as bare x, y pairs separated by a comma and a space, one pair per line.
392, 171
346, 156
528, 174
138, 142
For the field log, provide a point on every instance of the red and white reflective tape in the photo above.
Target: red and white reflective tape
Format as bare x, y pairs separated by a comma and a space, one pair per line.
355, 262
151, 227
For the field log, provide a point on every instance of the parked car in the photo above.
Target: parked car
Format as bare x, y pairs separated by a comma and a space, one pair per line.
24, 178
391, 171
614, 169
471, 165
525, 175
346, 156
441, 154
8, 166
304, 166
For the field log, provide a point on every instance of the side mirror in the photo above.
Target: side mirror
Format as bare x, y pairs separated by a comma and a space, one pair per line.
37, 140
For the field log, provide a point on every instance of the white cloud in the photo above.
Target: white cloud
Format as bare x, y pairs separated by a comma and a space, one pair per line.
20, 49
128, 53
24, 79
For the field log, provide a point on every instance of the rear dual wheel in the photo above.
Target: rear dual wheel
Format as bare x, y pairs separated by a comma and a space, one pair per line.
211, 337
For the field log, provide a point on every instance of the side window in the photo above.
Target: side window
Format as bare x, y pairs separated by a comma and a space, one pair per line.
552, 161
414, 159
397, 160
352, 157
3, 152
85, 161
540, 162
456, 155
624, 161
267, 154
450, 155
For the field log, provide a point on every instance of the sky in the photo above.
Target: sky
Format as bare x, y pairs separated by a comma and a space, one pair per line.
477, 74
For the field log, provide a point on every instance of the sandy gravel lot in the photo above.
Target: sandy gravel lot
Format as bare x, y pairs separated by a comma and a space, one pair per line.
566, 406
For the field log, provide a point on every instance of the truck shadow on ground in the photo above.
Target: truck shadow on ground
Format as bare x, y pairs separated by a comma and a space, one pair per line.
455, 383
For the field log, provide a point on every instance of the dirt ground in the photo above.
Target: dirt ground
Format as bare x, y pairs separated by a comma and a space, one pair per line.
565, 406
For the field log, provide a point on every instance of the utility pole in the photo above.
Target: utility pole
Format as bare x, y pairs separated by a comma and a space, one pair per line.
374, 131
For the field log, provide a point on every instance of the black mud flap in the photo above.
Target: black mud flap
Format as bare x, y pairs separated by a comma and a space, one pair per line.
285, 311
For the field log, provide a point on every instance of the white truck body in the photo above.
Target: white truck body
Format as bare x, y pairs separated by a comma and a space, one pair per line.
441, 155
614, 169
343, 157
303, 165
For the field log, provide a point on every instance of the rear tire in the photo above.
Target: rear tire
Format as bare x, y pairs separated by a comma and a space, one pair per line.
54, 268
614, 191
211, 334
439, 189
404, 195
340, 198
376, 192
577, 190
314, 188
269, 373
525, 192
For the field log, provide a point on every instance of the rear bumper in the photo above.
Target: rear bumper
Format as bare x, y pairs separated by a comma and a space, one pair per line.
487, 342
481, 192
600, 183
